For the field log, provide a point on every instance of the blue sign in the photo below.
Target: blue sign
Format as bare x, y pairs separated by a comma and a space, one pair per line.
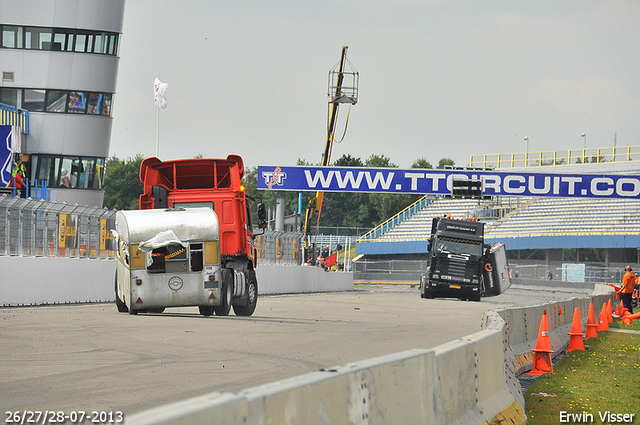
420, 181
6, 159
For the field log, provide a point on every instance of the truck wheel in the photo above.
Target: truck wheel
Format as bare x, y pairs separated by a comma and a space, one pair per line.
252, 296
206, 311
227, 288
122, 307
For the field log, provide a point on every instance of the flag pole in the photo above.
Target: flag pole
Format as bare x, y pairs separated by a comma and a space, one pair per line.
157, 132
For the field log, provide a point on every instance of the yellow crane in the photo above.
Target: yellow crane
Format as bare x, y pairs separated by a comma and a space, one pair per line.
339, 91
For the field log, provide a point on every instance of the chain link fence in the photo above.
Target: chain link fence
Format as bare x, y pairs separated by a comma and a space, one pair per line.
37, 228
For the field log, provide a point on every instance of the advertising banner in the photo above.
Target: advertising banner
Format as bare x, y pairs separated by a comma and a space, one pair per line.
420, 181
6, 157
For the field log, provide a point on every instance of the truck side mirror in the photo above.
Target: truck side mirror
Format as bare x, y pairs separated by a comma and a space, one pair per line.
262, 216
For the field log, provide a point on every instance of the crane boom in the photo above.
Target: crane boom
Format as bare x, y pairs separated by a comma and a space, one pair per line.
315, 204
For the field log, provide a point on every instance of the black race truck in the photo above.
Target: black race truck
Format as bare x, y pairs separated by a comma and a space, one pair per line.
460, 264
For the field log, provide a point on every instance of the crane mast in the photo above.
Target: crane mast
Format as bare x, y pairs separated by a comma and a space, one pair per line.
338, 93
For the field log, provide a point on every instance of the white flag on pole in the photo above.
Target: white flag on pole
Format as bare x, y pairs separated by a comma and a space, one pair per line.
159, 88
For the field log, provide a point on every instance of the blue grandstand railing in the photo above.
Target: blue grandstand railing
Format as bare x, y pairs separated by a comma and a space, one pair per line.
13, 116
395, 220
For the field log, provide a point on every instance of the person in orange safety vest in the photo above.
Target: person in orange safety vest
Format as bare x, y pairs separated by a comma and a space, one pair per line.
628, 283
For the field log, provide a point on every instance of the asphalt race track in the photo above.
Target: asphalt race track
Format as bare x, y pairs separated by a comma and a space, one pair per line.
92, 358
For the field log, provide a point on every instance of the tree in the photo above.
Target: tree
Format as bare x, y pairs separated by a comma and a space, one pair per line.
379, 161
445, 161
421, 163
122, 185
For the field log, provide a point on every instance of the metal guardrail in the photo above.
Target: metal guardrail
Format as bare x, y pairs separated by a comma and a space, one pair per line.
396, 219
35, 227
560, 157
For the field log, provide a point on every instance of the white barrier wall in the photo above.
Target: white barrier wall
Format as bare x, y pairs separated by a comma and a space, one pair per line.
472, 380
45, 280
299, 279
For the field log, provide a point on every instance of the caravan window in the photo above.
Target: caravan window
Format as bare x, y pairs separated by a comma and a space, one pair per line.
177, 259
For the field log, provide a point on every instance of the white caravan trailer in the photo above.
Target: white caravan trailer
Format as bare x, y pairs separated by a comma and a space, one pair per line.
170, 258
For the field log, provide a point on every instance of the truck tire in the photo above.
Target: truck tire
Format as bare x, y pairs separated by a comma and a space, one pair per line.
206, 311
122, 307
226, 293
252, 296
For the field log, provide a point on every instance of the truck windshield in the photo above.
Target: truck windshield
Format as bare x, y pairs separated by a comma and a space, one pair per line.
458, 246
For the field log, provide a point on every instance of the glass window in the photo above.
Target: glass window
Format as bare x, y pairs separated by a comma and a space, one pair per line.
12, 97
38, 38
77, 102
90, 38
81, 42
63, 39
101, 43
57, 100
34, 168
87, 173
70, 172
93, 104
12, 37
112, 44
98, 180
33, 100
105, 107
48, 170
59, 42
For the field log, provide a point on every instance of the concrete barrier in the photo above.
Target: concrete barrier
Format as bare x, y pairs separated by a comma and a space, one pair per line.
47, 280
472, 380
44, 280
301, 279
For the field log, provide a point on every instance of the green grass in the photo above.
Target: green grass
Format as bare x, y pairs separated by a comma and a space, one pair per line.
604, 377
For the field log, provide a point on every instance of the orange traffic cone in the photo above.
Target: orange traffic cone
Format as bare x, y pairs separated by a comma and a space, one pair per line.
628, 319
609, 312
542, 359
592, 332
619, 310
575, 342
603, 323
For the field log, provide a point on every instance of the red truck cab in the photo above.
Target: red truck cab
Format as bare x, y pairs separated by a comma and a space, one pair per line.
199, 182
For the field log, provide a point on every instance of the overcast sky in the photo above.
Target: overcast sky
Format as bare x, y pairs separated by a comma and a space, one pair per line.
438, 79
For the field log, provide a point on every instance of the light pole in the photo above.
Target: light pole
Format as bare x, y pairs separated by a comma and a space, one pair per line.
584, 135
526, 158
584, 149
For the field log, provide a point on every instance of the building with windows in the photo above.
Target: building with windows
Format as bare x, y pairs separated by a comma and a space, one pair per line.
59, 61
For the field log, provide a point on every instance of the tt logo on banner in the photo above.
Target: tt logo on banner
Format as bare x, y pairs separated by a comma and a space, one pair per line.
274, 178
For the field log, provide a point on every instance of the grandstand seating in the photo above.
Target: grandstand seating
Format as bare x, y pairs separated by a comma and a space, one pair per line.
528, 217
571, 216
